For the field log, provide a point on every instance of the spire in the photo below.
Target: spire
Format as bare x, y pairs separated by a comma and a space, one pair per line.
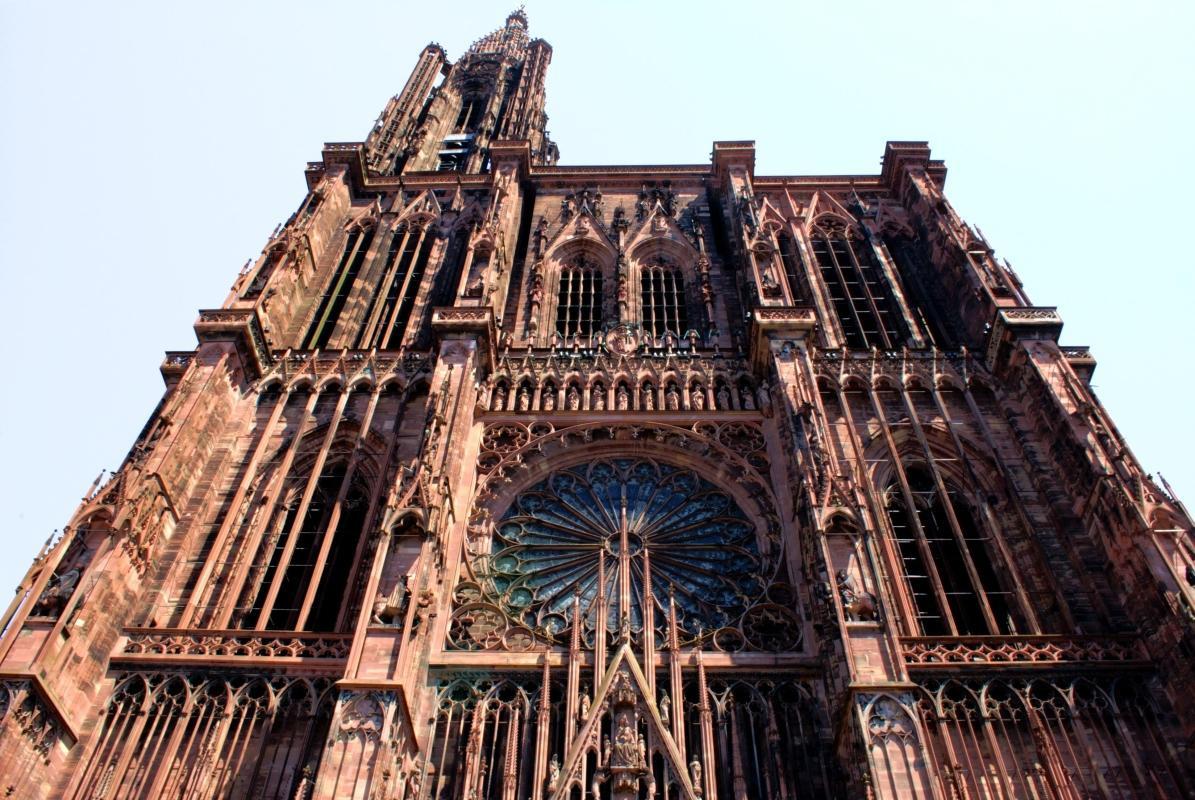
510, 40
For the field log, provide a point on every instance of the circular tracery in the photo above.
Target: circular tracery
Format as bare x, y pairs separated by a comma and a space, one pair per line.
619, 515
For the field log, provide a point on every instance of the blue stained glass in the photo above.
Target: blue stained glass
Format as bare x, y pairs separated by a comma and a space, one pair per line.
547, 546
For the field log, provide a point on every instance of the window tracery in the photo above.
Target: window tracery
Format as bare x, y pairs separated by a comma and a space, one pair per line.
858, 289
663, 305
946, 563
624, 519
579, 305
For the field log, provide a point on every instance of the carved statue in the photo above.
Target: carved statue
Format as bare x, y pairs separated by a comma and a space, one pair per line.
574, 399
673, 398
585, 705
548, 400
857, 605
665, 710
626, 748
524, 399
697, 398
553, 773
624, 398
605, 750
745, 400
642, 752
598, 402
723, 398
649, 398
500, 399
695, 772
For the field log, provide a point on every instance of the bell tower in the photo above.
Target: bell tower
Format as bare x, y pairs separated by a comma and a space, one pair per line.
448, 115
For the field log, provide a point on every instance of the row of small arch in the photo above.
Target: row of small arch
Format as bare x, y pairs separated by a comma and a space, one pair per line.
622, 393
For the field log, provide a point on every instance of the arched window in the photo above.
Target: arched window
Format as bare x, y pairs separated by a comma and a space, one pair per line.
792, 268
579, 306
332, 301
947, 565
858, 289
307, 566
662, 301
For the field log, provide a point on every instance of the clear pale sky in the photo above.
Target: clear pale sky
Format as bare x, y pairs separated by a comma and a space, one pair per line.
148, 150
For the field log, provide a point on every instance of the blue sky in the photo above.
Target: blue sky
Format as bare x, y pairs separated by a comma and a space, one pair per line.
148, 150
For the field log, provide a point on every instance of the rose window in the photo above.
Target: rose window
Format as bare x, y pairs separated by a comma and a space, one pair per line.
548, 546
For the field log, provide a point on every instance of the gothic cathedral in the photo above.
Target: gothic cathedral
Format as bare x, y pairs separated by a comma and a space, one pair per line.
497, 479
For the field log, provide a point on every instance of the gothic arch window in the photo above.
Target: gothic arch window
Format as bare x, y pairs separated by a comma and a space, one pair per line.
332, 301
793, 272
579, 301
947, 566
858, 289
662, 302
302, 571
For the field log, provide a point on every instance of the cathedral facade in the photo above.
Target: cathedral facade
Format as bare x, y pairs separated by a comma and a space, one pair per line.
499, 479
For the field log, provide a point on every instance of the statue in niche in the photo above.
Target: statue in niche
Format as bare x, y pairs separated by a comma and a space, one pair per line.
598, 401
673, 398
605, 750
745, 400
626, 747
524, 399
649, 398
723, 398
624, 398
553, 773
500, 399
695, 772
585, 703
642, 752
548, 399
574, 399
665, 710
857, 605
697, 398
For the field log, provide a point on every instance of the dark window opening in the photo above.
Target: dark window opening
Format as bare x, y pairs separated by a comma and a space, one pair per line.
579, 307
663, 302
333, 300
862, 298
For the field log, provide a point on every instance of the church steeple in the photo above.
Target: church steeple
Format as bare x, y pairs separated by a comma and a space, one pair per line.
494, 93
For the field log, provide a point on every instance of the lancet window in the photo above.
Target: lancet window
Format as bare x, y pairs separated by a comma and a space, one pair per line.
947, 565
663, 304
406, 261
792, 268
332, 302
307, 556
862, 297
579, 305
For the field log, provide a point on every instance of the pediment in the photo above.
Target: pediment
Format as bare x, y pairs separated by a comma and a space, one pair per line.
422, 208
622, 696
659, 228
583, 231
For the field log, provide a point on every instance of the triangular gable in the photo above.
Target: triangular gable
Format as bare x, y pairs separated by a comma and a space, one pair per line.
424, 207
623, 675
770, 219
659, 225
582, 228
823, 203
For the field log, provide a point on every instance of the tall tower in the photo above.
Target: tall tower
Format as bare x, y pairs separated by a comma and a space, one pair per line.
495, 479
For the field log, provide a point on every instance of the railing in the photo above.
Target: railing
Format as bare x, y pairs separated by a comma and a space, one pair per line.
1044, 650
236, 644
